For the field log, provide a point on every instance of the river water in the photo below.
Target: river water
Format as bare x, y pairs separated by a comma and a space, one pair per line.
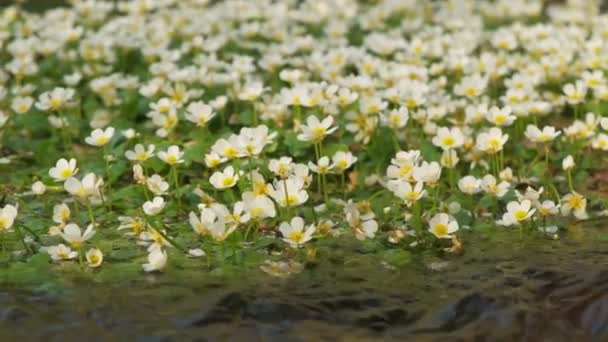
502, 289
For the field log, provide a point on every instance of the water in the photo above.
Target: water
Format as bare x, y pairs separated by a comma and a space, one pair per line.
502, 288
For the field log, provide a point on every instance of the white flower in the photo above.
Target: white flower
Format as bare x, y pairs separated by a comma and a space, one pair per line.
491, 141
202, 224
469, 185
100, 137
73, 235
140, 153
575, 93
289, 192
281, 167
575, 204
488, 184
316, 130
535, 135
396, 118
214, 159
517, 212
199, 113
224, 179
61, 252
568, 163
443, 226
447, 138
548, 208
406, 192
427, 172
363, 226
94, 257
154, 207
63, 169
55, 100
258, 206
600, 142
471, 86
172, 156
157, 185
87, 189
196, 252
449, 159
500, 116
61, 213
157, 260
7, 217
22, 105
129, 133
343, 160
38, 188
295, 234
322, 167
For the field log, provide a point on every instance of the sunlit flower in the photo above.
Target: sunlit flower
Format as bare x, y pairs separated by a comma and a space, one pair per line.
199, 113
61, 252
94, 257
140, 153
517, 213
575, 204
224, 179
63, 169
86, 189
316, 130
100, 137
343, 160
172, 156
448, 138
295, 234
568, 163
289, 192
443, 226
535, 135
7, 217
154, 207
73, 235
469, 185
157, 260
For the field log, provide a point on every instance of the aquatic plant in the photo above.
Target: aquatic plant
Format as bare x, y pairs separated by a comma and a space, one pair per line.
233, 129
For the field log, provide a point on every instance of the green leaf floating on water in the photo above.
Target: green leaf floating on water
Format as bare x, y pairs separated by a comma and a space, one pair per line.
397, 257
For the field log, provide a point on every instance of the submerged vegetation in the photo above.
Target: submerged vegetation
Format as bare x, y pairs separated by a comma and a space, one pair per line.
171, 136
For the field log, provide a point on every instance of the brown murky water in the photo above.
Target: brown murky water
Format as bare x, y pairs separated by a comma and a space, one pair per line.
502, 289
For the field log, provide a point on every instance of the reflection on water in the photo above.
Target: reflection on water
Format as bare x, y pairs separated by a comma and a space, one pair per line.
504, 289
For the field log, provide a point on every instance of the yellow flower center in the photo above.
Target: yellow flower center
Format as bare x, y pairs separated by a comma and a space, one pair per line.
448, 141
171, 159
520, 215
296, 236
500, 119
94, 259
56, 103
256, 212
65, 173
319, 132
470, 91
575, 202
441, 229
291, 200
141, 156
227, 181
102, 140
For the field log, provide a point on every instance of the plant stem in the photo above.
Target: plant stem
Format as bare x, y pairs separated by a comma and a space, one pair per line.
20, 237
178, 199
91, 216
107, 161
